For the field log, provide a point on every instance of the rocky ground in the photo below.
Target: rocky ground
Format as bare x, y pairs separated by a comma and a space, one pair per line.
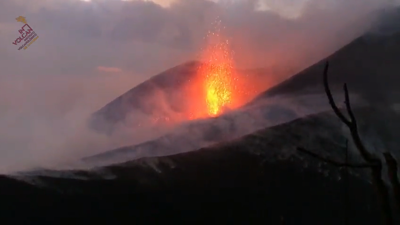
260, 178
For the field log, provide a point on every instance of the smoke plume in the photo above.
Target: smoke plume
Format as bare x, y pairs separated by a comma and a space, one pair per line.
89, 53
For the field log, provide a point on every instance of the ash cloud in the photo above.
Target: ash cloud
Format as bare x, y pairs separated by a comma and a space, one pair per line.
49, 90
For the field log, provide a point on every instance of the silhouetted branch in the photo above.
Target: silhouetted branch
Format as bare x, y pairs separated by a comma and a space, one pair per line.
346, 187
393, 177
329, 94
377, 180
348, 106
352, 123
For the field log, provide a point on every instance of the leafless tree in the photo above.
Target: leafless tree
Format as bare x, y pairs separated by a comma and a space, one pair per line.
372, 162
376, 168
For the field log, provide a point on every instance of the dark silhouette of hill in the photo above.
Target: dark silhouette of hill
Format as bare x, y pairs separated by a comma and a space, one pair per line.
258, 179
369, 65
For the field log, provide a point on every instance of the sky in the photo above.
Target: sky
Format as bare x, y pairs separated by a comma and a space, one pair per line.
135, 40
90, 52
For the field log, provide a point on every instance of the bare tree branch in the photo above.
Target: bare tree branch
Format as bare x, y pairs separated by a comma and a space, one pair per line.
393, 177
346, 188
354, 130
348, 106
329, 94
376, 171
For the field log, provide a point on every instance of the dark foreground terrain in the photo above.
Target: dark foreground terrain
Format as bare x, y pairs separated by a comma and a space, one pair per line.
242, 192
257, 179
248, 193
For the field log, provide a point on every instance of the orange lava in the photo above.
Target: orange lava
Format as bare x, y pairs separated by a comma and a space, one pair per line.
217, 86
218, 73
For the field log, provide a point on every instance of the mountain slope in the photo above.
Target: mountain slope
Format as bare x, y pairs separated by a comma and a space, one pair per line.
200, 133
171, 94
255, 179
368, 65
138, 98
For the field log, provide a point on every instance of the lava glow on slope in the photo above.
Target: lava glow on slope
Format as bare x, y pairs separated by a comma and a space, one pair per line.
218, 73
217, 85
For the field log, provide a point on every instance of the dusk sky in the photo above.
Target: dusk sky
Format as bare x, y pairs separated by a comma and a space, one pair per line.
146, 37
114, 44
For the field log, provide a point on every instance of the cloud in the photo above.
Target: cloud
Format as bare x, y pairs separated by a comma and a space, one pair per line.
148, 37
109, 69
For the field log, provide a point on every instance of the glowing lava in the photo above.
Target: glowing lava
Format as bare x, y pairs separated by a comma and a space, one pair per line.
219, 83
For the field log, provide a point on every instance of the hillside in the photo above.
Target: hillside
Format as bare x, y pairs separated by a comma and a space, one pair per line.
258, 179
369, 65
170, 94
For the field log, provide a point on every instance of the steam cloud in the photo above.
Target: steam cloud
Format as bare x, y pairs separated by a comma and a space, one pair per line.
49, 90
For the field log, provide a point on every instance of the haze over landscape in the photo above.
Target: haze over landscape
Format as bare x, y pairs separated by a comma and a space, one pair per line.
222, 101
91, 52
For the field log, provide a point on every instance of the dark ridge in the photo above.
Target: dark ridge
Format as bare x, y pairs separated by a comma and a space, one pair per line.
228, 186
370, 68
207, 131
256, 179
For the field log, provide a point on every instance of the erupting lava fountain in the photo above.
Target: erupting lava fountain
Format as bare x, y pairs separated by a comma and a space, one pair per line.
217, 75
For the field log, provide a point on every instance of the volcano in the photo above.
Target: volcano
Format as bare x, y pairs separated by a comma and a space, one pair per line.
243, 166
172, 93
368, 64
